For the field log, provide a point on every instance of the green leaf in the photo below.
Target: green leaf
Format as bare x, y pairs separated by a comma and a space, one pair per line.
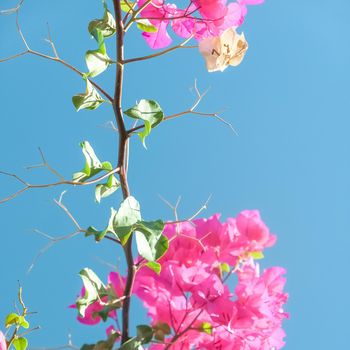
94, 290
105, 190
97, 61
105, 25
206, 328
90, 100
146, 26
127, 215
150, 112
224, 267
132, 344
20, 343
23, 322
144, 333
257, 255
161, 329
126, 5
156, 267
99, 235
11, 319
92, 231
92, 164
150, 241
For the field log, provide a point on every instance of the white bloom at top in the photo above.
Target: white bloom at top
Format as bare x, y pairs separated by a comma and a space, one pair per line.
227, 49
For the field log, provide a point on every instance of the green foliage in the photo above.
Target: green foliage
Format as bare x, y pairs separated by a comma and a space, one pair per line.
20, 343
224, 267
144, 333
92, 167
150, 112
151, 243
94, 290
126, 5
257, 255
144, 336
206, 328
90, 99
161, 329
156, 267
146, 26
105, 25
125, 218
106, 189
102, 344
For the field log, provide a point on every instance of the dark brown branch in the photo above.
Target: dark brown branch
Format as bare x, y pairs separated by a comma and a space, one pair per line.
123, 138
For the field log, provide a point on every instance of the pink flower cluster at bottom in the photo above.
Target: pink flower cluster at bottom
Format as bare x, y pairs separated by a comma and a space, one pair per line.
191, 294
191, 291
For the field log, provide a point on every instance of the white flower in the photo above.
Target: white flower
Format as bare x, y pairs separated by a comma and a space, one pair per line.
227, 49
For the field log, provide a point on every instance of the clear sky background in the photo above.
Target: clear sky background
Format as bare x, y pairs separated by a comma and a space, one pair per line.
289, 103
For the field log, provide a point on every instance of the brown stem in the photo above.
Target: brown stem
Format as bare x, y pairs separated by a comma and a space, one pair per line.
123, 138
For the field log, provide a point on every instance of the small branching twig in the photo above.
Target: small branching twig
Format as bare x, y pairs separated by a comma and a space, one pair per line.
63, 181
192, 110
161, 53
54, 58
52, 184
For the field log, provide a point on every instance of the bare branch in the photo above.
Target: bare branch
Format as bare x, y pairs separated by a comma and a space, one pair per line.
53, 184
192, 217
192, 111
161, 53
53, 241
12, 10
54, 58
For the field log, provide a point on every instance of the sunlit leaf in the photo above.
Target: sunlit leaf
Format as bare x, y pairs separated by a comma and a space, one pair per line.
90, 99
146, 26
150, 112
105, 190
20, 343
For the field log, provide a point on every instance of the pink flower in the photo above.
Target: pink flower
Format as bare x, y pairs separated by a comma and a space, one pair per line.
200, 19
3, 344
190, 289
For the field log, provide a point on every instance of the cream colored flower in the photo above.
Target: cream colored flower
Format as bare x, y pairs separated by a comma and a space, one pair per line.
227, 49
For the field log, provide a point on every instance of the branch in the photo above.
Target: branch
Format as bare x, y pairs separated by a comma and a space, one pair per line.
135, 14
157, 54
123, 138
53, 184
54, 58
191, 110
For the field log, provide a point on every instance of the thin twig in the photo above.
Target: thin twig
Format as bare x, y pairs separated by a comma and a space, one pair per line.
161, 53
54, 58
192, 111
53, 184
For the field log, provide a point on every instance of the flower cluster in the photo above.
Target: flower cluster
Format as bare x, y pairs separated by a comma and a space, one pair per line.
190, 293
3, 345
200, 19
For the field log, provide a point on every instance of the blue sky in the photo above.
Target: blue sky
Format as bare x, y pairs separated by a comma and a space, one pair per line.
289, 103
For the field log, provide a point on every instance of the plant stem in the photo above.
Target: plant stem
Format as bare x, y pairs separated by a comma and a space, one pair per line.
123, 138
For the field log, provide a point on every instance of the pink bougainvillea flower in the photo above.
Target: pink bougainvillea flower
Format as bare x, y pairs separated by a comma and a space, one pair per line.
190, 289
3, 345
227, 49
199, 19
